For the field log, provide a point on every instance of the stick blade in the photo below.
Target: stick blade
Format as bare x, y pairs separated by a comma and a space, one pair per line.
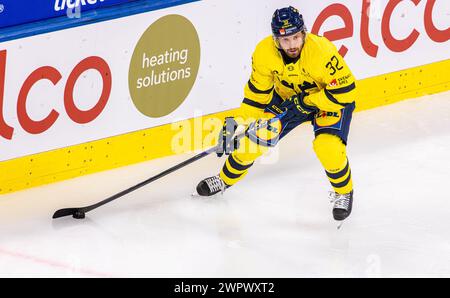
65, 212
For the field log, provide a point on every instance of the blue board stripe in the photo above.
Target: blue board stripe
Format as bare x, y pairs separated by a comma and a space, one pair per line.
17, 12
88, 17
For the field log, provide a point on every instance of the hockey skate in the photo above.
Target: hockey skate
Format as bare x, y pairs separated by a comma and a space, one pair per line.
342, 205
211, 186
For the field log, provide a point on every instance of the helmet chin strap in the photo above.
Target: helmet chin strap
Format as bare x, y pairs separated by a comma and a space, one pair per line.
277, 43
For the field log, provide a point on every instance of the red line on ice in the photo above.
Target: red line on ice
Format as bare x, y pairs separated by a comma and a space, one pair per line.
54, 264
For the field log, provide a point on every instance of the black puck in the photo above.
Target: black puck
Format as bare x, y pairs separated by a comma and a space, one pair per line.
79, 215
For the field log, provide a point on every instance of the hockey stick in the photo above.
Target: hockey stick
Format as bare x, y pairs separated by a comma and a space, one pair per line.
79, 213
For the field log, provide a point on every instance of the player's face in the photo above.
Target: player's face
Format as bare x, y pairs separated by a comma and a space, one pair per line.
292, 44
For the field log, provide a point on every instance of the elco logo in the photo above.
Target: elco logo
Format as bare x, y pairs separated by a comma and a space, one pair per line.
54, 77
63, 4
392, 43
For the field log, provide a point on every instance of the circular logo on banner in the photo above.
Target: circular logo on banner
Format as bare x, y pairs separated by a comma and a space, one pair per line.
164, 66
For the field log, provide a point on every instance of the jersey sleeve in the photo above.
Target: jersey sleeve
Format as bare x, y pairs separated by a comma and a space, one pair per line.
332, 72
259, 89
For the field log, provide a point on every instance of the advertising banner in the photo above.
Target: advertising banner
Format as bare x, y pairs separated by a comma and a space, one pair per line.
92, 82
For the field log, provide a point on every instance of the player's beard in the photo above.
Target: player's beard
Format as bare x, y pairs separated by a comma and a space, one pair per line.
293, 53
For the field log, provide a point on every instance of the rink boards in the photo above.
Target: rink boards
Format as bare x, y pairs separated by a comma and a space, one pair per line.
90, 98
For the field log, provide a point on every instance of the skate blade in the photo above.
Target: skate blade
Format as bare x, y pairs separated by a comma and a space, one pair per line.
340, 225
197, 196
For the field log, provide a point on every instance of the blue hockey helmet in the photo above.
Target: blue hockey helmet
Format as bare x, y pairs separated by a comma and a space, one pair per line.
287, 21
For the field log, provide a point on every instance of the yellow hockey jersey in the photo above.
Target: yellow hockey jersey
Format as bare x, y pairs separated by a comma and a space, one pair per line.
320, 71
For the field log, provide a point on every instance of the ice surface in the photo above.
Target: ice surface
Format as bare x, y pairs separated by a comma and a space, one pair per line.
277, 222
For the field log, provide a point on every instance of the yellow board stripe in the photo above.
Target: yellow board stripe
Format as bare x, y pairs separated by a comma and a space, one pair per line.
122, 150
74, 161
409, 83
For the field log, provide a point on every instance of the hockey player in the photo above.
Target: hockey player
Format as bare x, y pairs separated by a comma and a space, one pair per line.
296, 77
